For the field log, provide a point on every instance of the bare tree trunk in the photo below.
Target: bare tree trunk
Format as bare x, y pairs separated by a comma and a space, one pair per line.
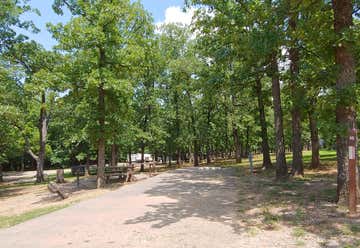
87, 165
42, 141
264, 136
142, 168
101, 141
101, 119
1, 173
178, 157
60, 176
345, 108
237, 145
281, 167
315, 145
196, 153
22, 166
130, 161
114, 155
208, 156
297, 163
247, 145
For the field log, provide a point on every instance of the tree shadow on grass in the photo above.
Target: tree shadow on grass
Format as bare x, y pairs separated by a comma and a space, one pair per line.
208, 193
304, 204
10, 192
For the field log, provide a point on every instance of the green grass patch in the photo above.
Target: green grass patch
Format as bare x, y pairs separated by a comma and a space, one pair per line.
8, 221
298, 232
269, 218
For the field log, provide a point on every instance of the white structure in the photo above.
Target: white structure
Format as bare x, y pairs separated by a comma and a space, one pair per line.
137, 157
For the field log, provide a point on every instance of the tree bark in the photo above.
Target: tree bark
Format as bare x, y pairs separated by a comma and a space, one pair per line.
114, 155
129, 154
1, 173
42, 142
178, 157
60, 176
142, 168
315, 145
281, 167
264, 136
87, 165
345, 108
247, 143
101, 119
208, 155
101, 142
297, 163
196, 153
237, 145
22, 165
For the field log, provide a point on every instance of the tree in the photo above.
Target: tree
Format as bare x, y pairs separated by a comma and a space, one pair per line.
41, 81
346, 97
105, 34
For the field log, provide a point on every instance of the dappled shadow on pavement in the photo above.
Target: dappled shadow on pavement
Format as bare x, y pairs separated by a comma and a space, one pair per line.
208, 193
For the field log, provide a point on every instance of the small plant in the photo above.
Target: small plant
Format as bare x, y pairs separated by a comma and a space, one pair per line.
270, 219
298, 232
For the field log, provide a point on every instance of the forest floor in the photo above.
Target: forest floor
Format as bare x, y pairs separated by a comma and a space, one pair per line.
302, 210
219, 206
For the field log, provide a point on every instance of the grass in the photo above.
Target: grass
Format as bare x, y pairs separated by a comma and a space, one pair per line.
49, 178
304, 204
298, 232
8, 221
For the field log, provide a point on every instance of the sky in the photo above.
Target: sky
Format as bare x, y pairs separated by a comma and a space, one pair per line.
163, 11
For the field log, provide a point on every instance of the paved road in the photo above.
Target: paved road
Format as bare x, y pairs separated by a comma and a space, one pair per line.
192, 207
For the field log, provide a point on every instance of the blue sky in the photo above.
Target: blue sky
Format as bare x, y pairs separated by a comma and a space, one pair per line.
162, 11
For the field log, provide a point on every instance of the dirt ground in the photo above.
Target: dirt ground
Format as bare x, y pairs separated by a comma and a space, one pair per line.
18, 194
198, 207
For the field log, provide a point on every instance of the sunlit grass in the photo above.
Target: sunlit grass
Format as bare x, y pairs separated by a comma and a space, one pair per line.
8, 221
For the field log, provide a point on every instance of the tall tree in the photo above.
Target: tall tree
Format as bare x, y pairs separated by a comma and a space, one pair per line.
346, 96
294, 57
105, 34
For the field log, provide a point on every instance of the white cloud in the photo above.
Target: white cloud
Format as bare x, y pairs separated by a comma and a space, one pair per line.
175, 14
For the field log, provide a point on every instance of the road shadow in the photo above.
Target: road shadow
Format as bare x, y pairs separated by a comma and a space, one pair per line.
208, 193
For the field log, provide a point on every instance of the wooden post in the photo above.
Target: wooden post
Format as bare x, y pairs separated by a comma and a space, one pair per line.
60, 176
352, 172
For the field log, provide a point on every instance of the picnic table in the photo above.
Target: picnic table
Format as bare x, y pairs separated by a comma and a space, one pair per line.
119, 171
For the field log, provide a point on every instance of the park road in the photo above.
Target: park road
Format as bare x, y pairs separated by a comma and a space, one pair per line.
192, 207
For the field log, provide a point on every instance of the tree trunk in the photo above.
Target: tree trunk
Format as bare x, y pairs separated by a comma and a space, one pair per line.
22, 166
87, 165
1, 173
142, 168
208, 155
281, 167
247, 145
237, 145
297, 163
114, 155
101, 142
101, 119
129, 154
60, 176
42, 141
315, 145
345, 108
178, 157
170, 160
264, 136
196, 153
